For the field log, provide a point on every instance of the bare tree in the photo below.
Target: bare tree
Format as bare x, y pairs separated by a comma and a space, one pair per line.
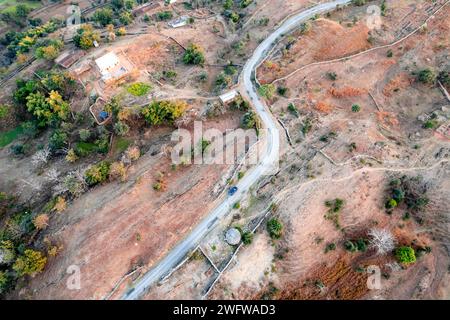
74, 183
382, 240
40, 157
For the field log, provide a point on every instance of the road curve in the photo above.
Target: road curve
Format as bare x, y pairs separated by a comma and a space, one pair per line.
268, 160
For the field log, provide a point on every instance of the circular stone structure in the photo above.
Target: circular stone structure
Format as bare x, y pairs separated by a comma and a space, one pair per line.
233, 236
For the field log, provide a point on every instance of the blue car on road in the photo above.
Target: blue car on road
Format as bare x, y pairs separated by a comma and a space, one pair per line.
232, 190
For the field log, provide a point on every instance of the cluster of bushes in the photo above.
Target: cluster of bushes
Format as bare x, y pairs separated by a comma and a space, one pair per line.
428, 76
46, 99
334, 208
356, 245
48, 49
16, 14
118, 14
409, 191
22, 42
230, 9
240, 104
17, 258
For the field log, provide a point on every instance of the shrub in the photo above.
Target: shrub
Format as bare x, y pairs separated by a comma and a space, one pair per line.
356, 108
102, 144
275, 228
126, 18
4, 281
223, 81
391, 204
121, 128
41, 221
332, 76
164, 15
444, 77
282, 91
139, 89
293, 109
330, 247
4, 111
58, 140
350, 246
359, 2
405, 255
97, 173
194, 55
133, 153
85, 134
118, 171
306, 126
426, 76
430, 124
30, 263
247, 238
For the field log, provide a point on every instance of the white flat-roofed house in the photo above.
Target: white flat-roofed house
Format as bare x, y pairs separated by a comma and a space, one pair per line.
228, 97
179, 22
111, 67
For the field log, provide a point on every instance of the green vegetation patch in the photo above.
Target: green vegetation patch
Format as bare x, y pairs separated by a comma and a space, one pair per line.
9, 136
139, 89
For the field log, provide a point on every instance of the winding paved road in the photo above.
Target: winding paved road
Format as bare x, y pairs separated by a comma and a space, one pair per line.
267, 165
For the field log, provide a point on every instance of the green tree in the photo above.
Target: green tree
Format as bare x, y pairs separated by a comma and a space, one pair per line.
194, 55
103, 16
38, 106
267, 90
426, 76
85, 37
30, 263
